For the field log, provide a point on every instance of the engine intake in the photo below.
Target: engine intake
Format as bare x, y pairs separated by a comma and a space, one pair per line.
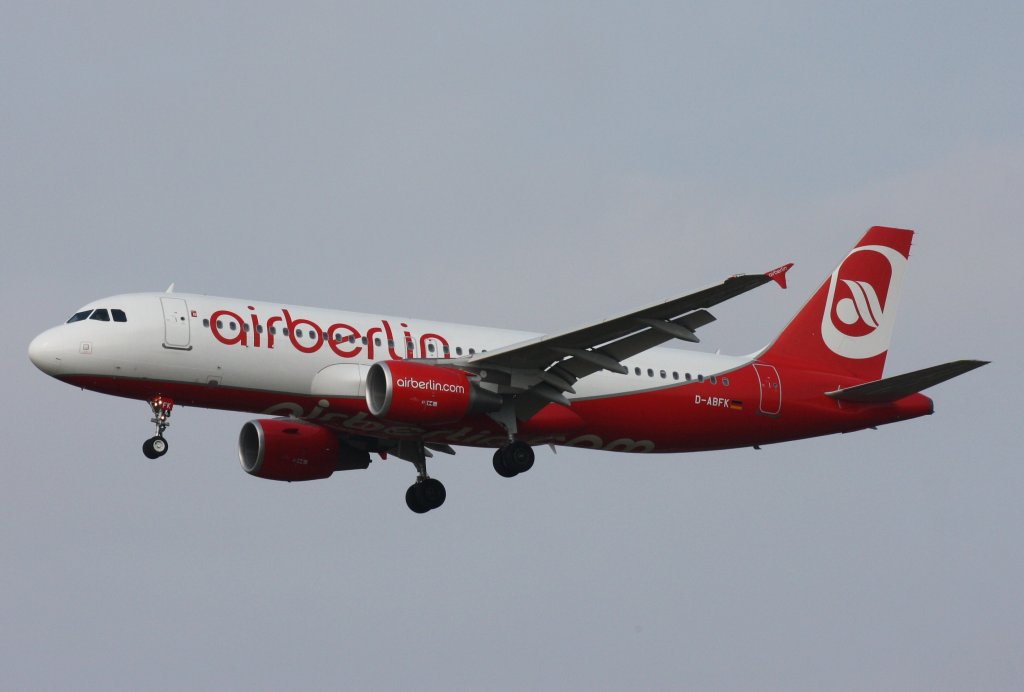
419, 393
284, 449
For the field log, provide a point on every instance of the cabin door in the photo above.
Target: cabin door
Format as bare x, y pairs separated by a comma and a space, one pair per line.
176, 323
771, 389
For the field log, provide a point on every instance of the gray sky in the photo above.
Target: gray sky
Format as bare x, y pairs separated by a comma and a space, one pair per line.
536, 167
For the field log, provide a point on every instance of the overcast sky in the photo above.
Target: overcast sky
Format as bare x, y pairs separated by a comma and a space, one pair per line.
534, 166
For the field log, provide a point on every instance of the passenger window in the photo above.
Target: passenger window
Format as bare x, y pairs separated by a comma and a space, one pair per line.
273, 330
714, 380
232, 326
675, 375
391, 343
663, 375
377, 341
650, 372
259, 328
363, 340
100, 315
220, 325
284, 331
725, 381
245, 326
119, 315
447, 352
352, 338
471, 351
689, 377
700, 378
298, 333
206, 322
430, 347
458, 350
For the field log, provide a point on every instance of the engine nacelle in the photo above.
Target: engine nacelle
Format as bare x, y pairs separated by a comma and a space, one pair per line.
284, 449
419, 393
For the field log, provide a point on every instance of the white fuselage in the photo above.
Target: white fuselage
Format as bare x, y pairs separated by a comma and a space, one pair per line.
281, 348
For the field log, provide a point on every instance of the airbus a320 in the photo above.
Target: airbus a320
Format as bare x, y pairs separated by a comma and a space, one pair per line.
336, 388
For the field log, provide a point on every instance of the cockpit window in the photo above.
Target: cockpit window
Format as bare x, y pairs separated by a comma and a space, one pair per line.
100, 315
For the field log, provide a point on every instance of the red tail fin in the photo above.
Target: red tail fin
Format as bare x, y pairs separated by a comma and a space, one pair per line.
847, 325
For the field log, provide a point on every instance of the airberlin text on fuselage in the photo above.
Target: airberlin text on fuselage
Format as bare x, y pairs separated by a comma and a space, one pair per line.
344, 339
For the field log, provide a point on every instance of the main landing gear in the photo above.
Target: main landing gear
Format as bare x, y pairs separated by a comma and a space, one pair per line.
155, 447
514, 458
426, 493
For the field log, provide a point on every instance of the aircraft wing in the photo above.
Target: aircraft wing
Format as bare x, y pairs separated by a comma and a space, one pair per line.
546, 368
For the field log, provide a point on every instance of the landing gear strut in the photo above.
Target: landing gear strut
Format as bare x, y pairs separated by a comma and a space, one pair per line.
155, 447
514, 458
426, 493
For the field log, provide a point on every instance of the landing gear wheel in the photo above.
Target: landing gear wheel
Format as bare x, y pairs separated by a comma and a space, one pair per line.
154, 447
520, 456
433, 492
514, 458
415, 502
425, 495
501, 467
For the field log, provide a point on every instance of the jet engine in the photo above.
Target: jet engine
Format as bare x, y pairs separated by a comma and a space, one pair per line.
419, 393
284, 449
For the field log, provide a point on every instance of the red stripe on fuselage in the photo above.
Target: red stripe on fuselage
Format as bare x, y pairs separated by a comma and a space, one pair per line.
687, 417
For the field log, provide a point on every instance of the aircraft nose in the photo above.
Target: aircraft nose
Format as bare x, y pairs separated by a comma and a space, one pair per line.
44, 352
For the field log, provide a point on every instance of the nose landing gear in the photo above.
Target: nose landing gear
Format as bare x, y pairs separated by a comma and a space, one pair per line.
155, 447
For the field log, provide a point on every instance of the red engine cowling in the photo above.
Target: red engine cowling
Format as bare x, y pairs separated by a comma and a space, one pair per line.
418, 393
284, 449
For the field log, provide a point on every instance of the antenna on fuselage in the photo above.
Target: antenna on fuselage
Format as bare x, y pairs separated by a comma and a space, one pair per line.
170, 289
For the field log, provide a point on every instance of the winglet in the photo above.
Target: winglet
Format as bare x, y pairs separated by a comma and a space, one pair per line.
778, 275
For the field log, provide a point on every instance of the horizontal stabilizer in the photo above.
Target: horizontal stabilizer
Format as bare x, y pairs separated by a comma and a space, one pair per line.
893, 388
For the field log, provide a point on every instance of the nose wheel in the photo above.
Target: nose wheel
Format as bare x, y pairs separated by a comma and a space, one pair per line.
156, 446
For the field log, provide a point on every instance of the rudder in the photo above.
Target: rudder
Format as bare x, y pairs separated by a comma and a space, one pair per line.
846, 326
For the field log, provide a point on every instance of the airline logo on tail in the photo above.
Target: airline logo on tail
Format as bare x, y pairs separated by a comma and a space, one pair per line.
860, 310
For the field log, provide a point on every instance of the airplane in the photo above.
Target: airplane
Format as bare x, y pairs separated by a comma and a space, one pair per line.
335, 387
